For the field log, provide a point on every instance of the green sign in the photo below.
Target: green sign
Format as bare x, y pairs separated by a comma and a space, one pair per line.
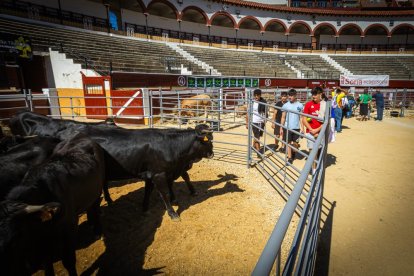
217, 82
209, 82
191, 82
221, 82
201, 82
226, 83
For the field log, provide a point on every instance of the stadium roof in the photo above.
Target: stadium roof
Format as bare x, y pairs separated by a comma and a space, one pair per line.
324, 11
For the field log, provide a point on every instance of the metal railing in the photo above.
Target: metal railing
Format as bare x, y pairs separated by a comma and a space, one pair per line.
302, 191
304, 196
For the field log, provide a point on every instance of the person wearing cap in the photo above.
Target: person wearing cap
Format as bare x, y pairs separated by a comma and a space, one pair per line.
292, 122
258, 119
313, 126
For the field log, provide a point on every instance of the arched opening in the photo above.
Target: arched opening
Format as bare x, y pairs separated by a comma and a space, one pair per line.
349, 36
402, 36
274, 32
324, 34
133, 5
250, 23
194, 14
224, 28
162, 8
222, 19
194, 18
297, 33
376, 36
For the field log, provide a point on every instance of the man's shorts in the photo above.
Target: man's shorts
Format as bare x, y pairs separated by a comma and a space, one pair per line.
277, 130
310, 142
257, 130
291, 136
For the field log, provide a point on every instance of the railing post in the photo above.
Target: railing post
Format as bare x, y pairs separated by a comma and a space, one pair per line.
403, 101
249, 127
179, 108
161, 106
26, 101
30, 100
71, 106
150, 108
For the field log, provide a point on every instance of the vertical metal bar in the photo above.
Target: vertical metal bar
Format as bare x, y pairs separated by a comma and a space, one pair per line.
220, 107
30, 99
179, 109
249, 127
26, 101
403, 101
71, 107
161, 106
150, 109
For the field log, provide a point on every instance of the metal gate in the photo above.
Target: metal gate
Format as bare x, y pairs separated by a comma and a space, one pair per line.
94, 90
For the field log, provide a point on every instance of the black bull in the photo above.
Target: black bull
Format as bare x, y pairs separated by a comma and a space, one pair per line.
18, 154
39, 217
155, 155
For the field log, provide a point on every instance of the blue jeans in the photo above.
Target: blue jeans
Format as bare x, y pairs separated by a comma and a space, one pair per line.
380, 112
338, 119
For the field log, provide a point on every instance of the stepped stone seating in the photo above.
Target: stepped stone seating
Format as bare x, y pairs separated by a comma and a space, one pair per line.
313, 66
238, 63
395, 66
97, 51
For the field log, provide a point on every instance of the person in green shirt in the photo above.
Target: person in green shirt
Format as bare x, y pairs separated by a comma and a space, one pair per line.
364, 105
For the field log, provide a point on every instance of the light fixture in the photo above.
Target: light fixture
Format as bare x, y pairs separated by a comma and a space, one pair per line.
238, 13
338, 23
289, 19
391, 22
180, 1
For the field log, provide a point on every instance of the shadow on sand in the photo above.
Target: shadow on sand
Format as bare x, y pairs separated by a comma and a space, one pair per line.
324, 246
128, 232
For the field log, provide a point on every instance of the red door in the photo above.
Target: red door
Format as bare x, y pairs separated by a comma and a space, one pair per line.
94, 90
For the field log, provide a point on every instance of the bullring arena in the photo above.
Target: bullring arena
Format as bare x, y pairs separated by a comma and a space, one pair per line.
138, 81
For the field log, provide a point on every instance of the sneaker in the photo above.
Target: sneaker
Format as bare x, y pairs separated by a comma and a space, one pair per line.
282, 149
290, 161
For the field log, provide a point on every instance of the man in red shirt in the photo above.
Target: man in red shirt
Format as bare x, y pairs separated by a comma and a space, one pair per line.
313, 126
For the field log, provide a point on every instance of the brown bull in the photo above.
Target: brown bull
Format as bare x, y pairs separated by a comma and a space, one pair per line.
190, 106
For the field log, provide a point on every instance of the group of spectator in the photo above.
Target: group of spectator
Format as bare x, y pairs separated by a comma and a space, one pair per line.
290, 124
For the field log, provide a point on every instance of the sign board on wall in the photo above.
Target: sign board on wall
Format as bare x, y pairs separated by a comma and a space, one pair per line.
203, 82
365, 80
19, 45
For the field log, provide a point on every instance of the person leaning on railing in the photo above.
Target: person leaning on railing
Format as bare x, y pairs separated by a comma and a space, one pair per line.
313, 126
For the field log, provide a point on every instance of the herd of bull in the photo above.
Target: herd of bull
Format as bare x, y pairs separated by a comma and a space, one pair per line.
52, 170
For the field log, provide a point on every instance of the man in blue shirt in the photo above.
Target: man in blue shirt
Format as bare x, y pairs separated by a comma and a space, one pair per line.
379, 101
291, 121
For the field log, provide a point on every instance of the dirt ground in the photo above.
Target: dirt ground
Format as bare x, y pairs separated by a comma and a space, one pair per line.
371, 178
225, 227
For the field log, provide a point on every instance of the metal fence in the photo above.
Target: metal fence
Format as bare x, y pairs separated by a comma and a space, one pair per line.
226, 112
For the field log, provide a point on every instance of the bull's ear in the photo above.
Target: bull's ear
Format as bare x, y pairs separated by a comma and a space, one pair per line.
45, 212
